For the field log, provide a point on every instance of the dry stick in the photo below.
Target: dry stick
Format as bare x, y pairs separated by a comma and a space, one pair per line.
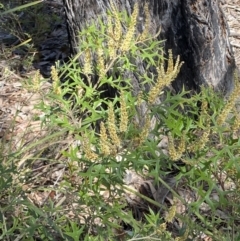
235, 45
234, 34
233, 7
161, 206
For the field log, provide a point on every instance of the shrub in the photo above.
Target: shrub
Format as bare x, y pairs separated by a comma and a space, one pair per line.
137, 165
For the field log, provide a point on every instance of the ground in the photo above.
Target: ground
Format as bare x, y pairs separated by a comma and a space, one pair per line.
232, 11
18, 124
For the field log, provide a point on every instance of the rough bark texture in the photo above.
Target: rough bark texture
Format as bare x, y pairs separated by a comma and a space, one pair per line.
194, 29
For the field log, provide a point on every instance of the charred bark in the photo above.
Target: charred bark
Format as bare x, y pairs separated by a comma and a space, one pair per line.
194, 29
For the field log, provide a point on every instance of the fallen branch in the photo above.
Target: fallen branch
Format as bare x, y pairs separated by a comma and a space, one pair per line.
235, 45
234, 34
233, 7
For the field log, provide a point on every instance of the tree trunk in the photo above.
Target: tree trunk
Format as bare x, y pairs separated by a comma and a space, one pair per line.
194, 29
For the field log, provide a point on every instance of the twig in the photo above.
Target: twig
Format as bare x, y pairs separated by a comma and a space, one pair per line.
233, 7
235, 45
234, 34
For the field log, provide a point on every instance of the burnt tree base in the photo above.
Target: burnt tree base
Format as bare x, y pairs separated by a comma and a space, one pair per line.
194, 29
